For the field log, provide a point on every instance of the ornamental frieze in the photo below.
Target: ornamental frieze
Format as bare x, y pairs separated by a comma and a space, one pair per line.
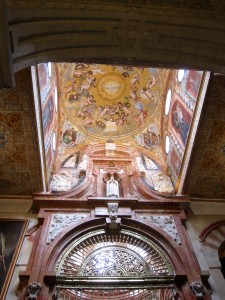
166, 223
60, 222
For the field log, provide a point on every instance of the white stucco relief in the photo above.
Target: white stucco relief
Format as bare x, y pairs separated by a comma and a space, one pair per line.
166, 223
60, 222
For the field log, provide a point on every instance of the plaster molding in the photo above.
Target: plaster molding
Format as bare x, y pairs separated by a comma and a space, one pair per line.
18, 204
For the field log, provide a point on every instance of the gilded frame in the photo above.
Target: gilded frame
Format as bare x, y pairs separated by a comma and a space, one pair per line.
12, 232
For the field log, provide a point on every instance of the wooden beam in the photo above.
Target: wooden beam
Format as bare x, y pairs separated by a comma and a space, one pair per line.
6, 70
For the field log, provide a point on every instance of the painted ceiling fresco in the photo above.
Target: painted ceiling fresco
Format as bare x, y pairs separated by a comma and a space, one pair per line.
98, 103
90, 104
109, 101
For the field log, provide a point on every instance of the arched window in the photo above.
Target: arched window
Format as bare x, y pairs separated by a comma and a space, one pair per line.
168, 101
167, 144
49, 64
56, 99
180, 75
54, 141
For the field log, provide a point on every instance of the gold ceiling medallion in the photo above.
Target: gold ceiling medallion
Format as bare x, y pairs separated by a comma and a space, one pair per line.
109, 101
111, 86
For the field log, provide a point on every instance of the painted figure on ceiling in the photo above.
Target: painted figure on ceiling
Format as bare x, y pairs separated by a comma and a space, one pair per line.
151, 136
47, 115
105, 101
180, 123
69, 137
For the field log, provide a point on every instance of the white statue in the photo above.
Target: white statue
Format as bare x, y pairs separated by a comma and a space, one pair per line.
112, 187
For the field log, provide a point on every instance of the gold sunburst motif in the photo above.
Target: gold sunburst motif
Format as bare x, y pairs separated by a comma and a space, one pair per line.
111, 86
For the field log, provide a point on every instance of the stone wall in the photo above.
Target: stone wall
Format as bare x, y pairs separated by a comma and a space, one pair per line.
19, 156
207, 251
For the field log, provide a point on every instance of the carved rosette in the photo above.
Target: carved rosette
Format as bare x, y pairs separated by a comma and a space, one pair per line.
60, 222
166, 223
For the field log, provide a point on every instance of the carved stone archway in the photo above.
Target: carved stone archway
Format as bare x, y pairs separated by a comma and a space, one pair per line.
124, 265
212, 240
84, 238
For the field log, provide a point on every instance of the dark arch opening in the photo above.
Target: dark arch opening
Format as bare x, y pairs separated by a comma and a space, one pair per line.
221, 253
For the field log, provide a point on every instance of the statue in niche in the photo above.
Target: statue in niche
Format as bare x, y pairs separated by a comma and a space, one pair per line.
112, 187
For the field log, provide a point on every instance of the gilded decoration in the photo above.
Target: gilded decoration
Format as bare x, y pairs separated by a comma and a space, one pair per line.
109, 101
102, 102
131, 292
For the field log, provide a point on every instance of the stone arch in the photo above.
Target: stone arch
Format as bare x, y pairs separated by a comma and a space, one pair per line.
73, 232
159, 239
213, 242
213, 235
